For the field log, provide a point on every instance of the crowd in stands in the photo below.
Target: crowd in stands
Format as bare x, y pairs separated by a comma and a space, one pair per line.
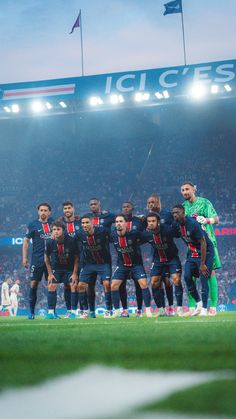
114, 156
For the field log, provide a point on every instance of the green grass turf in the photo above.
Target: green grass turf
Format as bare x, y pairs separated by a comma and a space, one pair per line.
31, 351
216, 398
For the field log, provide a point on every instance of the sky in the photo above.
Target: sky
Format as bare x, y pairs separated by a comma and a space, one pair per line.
118, 35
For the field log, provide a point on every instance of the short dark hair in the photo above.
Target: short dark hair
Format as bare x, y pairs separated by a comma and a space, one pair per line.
154, 214
128, 202
121, 215
44, 204
94, 199
86, 216
59, 223
188, 182
67, 203
179, 206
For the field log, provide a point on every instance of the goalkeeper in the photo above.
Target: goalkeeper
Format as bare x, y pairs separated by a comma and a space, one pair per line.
204, 212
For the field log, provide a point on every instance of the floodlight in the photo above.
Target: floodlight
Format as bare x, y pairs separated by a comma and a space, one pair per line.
214, 88
37, 106
115, 99
95, 100
15, 108
227, 88
166, 94
158, 95
198, 91
48, 105
139, 97
7, 109
63, 104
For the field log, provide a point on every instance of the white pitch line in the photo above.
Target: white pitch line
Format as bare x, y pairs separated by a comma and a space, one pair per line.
98, 392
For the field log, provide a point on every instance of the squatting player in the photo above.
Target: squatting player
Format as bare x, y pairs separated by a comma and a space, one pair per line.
200, 256
204, 212
94, 243
62, 262
38, 230
129, 262
165, 259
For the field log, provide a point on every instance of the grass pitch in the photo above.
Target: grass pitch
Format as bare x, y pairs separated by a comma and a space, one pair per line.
32, 351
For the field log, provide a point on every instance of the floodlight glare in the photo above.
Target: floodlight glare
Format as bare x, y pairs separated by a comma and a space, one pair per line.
227, 88
15, 108
214, 88
63, 104
166, 94
115, 99
48, 105
158, 95
37, 106
198, 91
7, 109
139, 97
94, 101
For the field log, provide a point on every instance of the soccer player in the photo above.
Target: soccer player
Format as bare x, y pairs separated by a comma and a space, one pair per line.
73, 224
129, 262
5, 297
133, 223
94, 243
62, 262
99, 218
154, 205
165, 259
14, 293
200, 256
38, 230
205, 214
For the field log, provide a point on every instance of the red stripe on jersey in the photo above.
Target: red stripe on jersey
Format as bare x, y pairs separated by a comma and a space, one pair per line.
46, 228
129, 225
127, 259
60, 248
96, 221
161, 252
191, 247
96, 255
70, 227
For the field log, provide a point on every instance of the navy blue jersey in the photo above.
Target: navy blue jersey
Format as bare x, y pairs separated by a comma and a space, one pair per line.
127, 247
166, 217
164, 247
38, 232
95, 248
72, 227
134, 223
62, 254
191, 232
103, 219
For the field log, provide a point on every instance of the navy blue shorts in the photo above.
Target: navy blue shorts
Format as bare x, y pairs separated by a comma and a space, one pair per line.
165, 268
123, 273
37, 272
89, 273
192, 266
62, 277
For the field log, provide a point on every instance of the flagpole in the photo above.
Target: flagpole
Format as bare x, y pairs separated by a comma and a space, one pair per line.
81, 44
184, 47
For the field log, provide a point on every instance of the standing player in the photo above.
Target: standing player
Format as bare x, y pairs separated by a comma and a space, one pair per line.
129, 262
94, 243
73, 225
38, 230
165, 259
5, 297
14, 293
99, 218
154, 205
200, 256
62, 262
205, 214
133, 223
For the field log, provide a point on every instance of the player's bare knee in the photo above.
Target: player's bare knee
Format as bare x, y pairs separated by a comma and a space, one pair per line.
106, 286
83, 287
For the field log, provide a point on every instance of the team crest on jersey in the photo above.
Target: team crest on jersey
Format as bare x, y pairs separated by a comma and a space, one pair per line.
162, 220
101, 220
77, 227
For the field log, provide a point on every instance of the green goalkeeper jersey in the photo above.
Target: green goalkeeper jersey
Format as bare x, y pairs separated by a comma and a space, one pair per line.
203, 207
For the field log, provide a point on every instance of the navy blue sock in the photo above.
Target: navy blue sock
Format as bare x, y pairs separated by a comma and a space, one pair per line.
91, 297
139, 295
83, 298
108, 302
123, 295
146, 297
52, 300
179, 295
74, 300
67, 296
32, 299
170, 295
205, 290
158, 295
115, 299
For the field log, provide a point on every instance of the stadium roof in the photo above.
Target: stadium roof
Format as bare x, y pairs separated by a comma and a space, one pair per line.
213, 80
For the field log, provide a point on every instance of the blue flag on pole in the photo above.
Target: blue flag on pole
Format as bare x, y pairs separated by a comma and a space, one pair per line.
77, 23
173, 7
